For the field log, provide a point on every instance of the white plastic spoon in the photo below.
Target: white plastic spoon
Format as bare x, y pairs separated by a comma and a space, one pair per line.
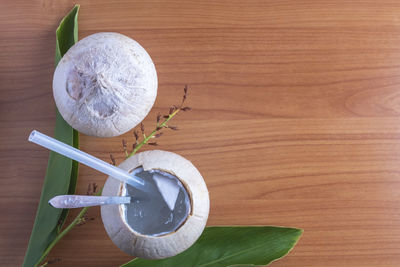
78, 201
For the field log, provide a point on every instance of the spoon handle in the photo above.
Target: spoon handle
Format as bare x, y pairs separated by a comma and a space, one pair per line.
77, 201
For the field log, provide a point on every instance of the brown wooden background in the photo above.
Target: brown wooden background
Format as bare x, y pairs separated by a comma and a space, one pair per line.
295, 121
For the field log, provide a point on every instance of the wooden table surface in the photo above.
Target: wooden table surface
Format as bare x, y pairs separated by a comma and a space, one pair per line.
295, 118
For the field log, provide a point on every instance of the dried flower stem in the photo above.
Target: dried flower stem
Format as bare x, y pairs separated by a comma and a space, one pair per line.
76, 221
153, 133
124, 145
172, 112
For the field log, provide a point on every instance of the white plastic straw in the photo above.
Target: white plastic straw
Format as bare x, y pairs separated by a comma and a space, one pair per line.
84, 158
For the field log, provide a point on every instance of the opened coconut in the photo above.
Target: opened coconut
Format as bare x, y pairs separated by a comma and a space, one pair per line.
155, 226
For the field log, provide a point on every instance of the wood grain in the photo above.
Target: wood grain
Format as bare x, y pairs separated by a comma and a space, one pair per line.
295, 118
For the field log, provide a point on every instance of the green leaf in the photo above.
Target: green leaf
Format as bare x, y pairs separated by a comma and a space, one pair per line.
67, 33
224, 246
74, 176
61, 174
67, 36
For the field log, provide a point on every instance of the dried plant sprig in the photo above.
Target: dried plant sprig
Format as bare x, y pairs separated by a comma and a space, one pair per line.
124, 146
92, 188
185, 89
95, 186
89, 189
172, 127
85, 219
173, 110
158, 135
75, 222
113, 160
142, 129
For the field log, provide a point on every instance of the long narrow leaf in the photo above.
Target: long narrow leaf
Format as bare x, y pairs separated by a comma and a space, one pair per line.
61, 172
225, 246
67, 36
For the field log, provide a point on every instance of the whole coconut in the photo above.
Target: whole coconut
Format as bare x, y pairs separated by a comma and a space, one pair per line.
105, 84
